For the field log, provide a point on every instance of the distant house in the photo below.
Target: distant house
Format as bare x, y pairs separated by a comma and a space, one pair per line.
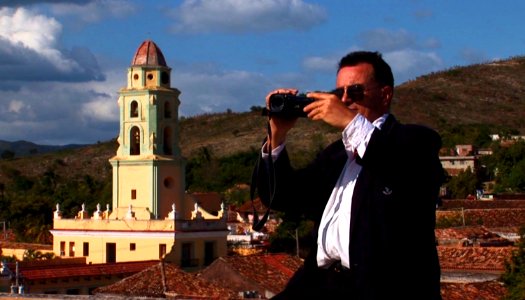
459, 160
17, 250
71, 276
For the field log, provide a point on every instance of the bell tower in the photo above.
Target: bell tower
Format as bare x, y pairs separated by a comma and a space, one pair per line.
148, 170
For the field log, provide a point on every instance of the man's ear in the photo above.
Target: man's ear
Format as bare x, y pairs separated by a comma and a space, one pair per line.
387, 93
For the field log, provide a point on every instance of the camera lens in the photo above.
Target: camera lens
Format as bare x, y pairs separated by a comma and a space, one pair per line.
277, 102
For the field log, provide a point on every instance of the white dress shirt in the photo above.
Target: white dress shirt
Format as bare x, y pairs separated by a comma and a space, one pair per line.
333, 239
334, 231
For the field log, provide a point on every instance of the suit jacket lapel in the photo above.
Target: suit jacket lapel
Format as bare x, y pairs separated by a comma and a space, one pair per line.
362, 189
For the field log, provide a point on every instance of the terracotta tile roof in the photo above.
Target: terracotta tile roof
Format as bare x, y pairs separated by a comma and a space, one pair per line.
16, 245
477, 204
65, 271
179, 285
477, 236
490, 217
474, 258
210, 202
247, 206
490, 290
265, 272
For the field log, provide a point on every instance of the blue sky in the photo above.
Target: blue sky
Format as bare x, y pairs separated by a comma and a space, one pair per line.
63, 62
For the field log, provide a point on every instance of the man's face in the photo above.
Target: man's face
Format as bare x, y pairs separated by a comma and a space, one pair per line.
375, 100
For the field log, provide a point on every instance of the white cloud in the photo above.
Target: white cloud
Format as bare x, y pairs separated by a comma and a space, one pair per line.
473, 56
29, 50
95, 11
408, 64
386, 40
241, 16
322, 64
16, 106
100, 110
38, 33
204, 92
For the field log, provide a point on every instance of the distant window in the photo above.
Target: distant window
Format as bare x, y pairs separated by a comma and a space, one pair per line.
132, 247
134, 109
71, 249
85, 251
209, 253
150, 76
73, 292
162, 250
186, 255
62, 248
133, 194
136, 76
111, 252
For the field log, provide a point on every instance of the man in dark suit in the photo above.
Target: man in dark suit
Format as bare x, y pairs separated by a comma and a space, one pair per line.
372, 194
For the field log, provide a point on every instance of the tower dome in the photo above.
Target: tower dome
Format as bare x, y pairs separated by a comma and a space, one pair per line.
148, 54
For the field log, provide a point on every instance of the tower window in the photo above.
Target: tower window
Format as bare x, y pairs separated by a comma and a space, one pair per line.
134, 147
136, 76
164, 78
167, 110
134, 112
150, 76
133, 194
132, 247
169, 182
168, 149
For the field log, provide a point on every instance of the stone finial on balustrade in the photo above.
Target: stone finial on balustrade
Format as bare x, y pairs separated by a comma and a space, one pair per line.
107, 212
196, 214
57, 213
98, 214
83, 214
130, 215
223, 213
173, 214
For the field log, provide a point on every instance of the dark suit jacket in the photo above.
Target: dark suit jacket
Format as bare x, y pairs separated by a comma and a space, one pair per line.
392, 242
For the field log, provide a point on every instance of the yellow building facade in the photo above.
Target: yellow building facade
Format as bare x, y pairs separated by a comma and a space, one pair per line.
151, 216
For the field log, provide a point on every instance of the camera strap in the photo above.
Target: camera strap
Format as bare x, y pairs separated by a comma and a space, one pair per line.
258, 224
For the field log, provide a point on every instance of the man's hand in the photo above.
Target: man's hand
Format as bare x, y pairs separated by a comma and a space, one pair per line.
329, 108
279, 126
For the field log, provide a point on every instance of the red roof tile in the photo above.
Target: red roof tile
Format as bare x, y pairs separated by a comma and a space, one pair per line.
474, 258
85, 270
178, 284
261, 272
490, 290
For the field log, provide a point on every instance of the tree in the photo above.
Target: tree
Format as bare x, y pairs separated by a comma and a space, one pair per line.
514, 276
7, 154
462, 185
510, 166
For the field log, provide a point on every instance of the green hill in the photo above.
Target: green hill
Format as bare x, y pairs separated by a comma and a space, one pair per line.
492, 94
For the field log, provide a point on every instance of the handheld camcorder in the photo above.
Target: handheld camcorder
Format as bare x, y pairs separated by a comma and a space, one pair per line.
288, 105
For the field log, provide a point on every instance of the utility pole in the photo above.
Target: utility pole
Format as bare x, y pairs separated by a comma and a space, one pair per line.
297, 241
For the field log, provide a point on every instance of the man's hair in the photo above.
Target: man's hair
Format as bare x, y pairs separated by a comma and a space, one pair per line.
382, 72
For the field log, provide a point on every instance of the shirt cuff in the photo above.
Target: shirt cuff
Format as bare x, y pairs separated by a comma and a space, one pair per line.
356, 135
275, 152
